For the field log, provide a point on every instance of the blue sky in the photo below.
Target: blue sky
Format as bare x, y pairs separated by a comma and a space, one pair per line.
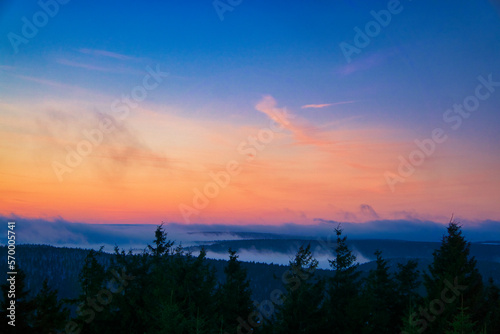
351, 120
427, 57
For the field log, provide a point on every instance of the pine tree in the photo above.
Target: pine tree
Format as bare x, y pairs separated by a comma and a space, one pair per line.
492, 307
92, 280
162, 246
129, 311
301, 310
190, 289
24, 306
407, 283
380, 296
461, 323
234, 297
92, 275
172, 321
343, 306
50, 315
452, 275
410, 323
145, 303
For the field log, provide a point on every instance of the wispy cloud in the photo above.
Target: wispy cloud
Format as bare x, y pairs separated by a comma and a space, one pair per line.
121, 149
368, 211
318, 106
109, 54
7, 68
303, 132
83, 65
372, 60
280, 115
108, 69
50, 83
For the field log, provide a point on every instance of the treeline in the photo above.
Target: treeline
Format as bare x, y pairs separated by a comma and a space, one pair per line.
61, 266
168, 290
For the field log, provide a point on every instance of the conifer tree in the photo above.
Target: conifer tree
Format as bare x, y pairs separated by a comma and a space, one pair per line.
172, 321
92, 275
407, 280
343, 306
24, 306
452, 275
50, 314
161, 286
128, 278
380, 297
301, 310
234, 297
410, 323
190, 289
161, 245
92, 280
461, 323
491, 308
407, 284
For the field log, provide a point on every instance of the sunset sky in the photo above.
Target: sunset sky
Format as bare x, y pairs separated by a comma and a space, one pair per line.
126, 112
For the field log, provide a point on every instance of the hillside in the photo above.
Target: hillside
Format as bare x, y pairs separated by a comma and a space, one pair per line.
61, 265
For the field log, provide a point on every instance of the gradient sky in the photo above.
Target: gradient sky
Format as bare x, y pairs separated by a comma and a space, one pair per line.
344, 125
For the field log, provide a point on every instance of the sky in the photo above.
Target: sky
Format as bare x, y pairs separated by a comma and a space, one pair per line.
250, 112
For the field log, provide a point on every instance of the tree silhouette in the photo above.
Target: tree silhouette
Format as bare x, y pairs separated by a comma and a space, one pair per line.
379, 295
407, 280
301, 310
24, 306
452, 275
461, 323
343, 306
234, 297
168, 290
50, 313
491, 307
162, 246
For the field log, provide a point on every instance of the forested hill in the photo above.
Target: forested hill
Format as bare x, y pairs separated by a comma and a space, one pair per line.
168, 289
61, 265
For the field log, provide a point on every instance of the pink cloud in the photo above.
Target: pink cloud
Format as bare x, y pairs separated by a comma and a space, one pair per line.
303, 132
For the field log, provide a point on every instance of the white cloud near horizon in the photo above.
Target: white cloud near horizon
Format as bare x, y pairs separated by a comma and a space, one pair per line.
60, 232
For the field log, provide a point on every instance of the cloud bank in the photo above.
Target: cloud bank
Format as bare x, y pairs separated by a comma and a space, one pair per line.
60, 232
